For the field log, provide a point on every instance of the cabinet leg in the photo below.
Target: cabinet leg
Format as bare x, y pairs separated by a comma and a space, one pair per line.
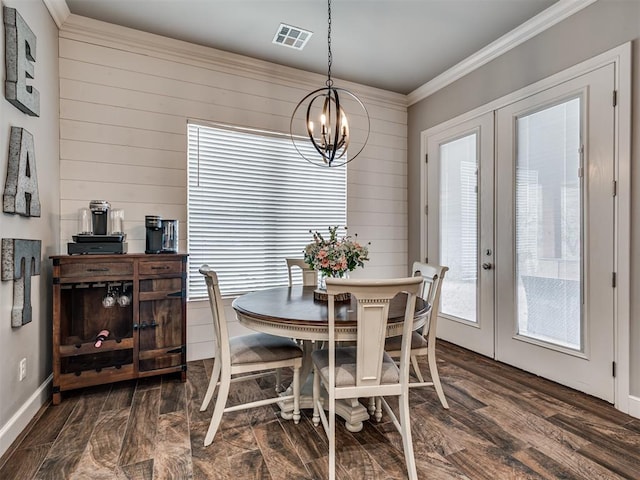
183, 376
57, 397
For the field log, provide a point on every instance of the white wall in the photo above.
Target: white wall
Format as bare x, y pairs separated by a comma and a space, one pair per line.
19, 401
125, 99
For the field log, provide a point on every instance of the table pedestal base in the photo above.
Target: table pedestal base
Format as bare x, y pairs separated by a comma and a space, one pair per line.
351, 411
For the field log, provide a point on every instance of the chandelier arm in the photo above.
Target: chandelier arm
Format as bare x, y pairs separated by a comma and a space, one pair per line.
310, 133
338, 122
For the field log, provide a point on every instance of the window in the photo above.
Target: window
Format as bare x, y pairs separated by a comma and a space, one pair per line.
252, 200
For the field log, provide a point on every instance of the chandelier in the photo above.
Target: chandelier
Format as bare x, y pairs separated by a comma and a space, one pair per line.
326, 124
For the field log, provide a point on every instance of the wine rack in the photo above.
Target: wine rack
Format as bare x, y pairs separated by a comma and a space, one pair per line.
140, 300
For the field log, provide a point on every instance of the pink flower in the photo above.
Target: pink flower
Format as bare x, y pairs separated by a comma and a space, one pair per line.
334, 256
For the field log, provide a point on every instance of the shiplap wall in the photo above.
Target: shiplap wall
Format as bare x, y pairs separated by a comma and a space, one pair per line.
125, 99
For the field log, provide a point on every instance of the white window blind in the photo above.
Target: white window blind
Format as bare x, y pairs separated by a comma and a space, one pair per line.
252, 201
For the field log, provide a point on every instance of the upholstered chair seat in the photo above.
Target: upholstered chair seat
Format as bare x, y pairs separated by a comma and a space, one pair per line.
346, 366
262, 348
417, 341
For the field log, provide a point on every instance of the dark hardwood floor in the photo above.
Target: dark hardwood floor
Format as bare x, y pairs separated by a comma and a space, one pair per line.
503, 424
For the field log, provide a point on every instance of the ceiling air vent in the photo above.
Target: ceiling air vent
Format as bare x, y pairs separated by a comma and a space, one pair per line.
292, 37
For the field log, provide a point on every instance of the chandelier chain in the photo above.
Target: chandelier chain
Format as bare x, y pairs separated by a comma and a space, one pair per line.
329, 82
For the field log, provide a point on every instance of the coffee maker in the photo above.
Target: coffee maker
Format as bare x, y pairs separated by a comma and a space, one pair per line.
153, 225
97, 232
99, 216
162, 235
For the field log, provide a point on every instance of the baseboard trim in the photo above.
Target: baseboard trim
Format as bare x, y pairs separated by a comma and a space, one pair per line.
634, 406
19, 421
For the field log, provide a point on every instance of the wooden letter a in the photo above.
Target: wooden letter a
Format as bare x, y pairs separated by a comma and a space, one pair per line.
21, 189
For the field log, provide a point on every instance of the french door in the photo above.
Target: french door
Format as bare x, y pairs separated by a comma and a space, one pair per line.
521, 209
555, 236
460, 230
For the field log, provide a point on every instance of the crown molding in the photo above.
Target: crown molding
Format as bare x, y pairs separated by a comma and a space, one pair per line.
58, 10
541, 22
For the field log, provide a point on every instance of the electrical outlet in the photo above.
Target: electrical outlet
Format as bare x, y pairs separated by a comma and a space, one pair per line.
23, 369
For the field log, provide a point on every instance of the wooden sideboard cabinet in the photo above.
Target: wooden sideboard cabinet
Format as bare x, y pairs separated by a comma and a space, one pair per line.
139, 299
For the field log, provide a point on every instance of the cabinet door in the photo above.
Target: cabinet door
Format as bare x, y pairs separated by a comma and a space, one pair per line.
161, 324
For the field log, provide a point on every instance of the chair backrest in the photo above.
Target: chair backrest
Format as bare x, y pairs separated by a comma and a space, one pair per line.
220, 328
432, 276
373, 300
309, 275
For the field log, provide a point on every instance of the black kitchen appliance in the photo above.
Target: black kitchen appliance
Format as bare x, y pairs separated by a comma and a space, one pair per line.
153, 224
99, 216
162, 235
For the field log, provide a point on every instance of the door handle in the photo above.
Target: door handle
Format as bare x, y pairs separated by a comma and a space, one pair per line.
487, 266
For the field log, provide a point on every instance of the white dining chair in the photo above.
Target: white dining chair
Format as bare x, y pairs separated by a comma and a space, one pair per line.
365, 369
309, 275
423, 341
258, 352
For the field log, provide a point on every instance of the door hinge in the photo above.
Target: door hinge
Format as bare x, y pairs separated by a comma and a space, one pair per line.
426, 158
613, 279
615, 98
615, 188
613, 369
426, 209
426, 259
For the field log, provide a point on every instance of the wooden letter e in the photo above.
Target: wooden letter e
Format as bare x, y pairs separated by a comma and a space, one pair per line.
20, 52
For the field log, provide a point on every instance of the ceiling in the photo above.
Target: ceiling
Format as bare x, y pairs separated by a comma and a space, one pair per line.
396, 45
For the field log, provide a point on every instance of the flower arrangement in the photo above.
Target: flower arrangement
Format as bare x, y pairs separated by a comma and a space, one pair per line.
334, 257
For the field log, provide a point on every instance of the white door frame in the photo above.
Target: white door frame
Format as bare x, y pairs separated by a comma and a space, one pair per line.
621, 58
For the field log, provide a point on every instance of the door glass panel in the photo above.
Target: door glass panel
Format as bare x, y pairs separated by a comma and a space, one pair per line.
548, 225
459, 227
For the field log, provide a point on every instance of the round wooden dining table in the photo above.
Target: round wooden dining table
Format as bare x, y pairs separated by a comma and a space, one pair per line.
293, 312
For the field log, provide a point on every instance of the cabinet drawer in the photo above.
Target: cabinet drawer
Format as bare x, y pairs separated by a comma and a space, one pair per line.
160, 267
97, 269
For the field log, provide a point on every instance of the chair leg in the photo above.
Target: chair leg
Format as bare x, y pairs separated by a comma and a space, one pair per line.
316, 397
332, 438
372, 406
416, 368
215, 376
407, 441
435, 377
279, 388
378, 409
296, 395
221, 402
